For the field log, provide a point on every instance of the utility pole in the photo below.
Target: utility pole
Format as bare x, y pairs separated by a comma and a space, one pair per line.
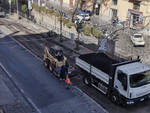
17, 9
9, 7
29, 8
61, 20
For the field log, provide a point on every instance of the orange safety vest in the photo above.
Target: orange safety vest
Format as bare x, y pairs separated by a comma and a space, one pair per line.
67, 80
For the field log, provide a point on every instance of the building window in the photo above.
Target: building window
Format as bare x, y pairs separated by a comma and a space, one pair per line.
113, 13
97, 8
114, 2
136, 6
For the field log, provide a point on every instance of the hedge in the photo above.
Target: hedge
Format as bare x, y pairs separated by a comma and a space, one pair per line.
35, 7
65, 21
42, 9
49, 11
95, 32
87, 30
69, 25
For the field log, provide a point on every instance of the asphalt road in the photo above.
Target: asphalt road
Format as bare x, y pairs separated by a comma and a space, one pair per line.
45, 91
124, 45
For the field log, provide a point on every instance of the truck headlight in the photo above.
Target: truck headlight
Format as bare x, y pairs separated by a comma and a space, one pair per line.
130, 102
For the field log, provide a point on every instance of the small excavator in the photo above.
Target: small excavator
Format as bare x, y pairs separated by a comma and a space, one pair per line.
56, 62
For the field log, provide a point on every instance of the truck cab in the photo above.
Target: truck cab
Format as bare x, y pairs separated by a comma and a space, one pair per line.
132, 82
124, 81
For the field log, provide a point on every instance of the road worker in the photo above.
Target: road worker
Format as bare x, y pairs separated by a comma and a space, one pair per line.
68, 82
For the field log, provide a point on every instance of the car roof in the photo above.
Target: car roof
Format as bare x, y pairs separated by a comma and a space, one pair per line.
138, 34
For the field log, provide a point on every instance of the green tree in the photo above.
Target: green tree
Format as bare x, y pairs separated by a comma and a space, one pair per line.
13, 2
24, 8
6, 1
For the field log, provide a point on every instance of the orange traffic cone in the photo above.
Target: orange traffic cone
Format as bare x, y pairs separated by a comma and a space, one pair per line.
68, 82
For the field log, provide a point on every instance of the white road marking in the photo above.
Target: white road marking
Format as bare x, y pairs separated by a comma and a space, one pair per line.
29, 100
5, 70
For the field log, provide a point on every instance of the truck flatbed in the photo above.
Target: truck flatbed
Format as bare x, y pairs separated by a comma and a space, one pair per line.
101, 61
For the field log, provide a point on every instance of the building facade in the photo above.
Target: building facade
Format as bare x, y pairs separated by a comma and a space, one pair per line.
136, 12
64, 3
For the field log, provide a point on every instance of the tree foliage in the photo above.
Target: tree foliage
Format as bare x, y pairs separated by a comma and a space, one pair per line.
13, 2
24, 8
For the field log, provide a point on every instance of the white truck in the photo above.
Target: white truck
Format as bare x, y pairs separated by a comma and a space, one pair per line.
124, 81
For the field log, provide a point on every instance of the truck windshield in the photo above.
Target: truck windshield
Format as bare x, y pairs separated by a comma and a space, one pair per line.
140, 79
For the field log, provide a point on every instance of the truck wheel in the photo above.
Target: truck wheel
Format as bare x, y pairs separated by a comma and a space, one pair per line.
115, 98
50, 67
87, 80
46, 63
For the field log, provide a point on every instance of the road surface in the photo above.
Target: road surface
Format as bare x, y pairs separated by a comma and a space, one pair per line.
46, 92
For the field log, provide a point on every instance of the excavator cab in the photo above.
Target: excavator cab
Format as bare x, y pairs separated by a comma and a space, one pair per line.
59, 55
55, 60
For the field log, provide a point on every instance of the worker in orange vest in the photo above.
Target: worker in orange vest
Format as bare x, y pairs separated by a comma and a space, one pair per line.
68, 82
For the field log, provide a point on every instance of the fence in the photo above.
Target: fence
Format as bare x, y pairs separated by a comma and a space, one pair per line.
67, 34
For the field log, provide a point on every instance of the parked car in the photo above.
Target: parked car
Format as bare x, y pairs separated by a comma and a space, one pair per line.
85, 17
78, 20
2, 13
138, 40
85, 11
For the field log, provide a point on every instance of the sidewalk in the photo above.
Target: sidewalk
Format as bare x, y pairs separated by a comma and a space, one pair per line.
37, 29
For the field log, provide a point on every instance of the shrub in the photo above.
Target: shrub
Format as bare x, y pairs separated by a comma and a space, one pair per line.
69, 25
24, 8
6, 1
50, 11
58, 18
35, 7
57, 15
95, 32
65, 21
42, 9
102, 35
87, 30
13, 2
